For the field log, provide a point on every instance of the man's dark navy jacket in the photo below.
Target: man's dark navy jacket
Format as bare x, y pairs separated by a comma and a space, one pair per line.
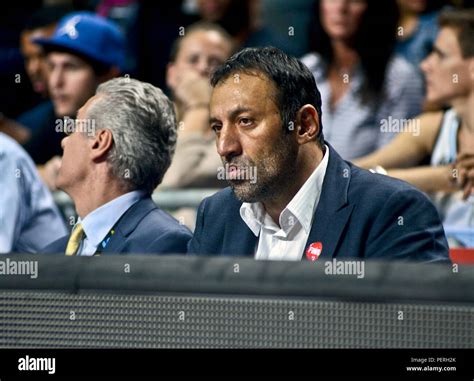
143, 229
359, 215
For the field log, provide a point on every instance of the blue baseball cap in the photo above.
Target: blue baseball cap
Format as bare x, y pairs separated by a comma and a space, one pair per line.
89, 35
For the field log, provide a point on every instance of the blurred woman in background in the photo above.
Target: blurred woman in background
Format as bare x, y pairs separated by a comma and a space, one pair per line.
362, 82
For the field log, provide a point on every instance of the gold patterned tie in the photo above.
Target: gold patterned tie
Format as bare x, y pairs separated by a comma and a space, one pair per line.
75, 240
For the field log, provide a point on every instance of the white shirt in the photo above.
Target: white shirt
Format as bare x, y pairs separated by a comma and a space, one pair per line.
100, 222
288, 242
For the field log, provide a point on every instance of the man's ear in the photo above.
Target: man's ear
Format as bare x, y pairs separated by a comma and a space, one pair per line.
307, 124
171, 76
101, 144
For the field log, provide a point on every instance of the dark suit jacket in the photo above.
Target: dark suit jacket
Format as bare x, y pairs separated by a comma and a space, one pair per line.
143, 229
359, 215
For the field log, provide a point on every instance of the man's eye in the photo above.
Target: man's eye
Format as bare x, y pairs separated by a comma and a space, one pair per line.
216, 127
194, 59
214, 63
245, 121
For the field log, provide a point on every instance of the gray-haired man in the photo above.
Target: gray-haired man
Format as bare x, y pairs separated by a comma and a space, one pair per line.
120, 148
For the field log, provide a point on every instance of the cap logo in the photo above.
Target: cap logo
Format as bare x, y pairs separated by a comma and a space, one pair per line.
70, 28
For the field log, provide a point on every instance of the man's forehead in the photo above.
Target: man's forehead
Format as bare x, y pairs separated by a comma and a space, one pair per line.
210, 36
29, 35
211, 41
243, 84
64, 57
246, 80
242, 91
447, 37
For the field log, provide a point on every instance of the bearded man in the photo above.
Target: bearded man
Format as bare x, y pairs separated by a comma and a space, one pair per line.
305, 202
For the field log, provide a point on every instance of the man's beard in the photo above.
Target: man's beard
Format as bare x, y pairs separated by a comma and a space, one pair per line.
273, 172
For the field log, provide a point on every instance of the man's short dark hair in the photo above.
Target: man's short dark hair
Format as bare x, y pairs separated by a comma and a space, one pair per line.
462, 21
294, 82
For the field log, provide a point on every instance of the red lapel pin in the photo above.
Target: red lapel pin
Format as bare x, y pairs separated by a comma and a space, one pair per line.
314, 251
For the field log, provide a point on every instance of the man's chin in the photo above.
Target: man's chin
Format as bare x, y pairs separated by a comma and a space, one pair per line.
62, 112
39, 87
244, 191
60, 184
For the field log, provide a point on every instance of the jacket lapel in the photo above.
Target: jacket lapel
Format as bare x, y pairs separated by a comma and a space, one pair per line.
238, 239
127, 224
333, 210
247, 240
58, 247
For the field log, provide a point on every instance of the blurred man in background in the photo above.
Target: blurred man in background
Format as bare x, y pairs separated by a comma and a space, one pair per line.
194, 58
446, 138
40, 24
84, 51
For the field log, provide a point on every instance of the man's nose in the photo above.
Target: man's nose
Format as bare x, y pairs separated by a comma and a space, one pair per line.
63, 141
228, 143
55, 79
425, 64
34, 66
203, 68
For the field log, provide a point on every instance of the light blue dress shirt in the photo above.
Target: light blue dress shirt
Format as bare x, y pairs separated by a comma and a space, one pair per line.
99, 223
29, 218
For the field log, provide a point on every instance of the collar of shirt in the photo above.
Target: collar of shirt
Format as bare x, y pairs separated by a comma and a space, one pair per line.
296, 212
99, 222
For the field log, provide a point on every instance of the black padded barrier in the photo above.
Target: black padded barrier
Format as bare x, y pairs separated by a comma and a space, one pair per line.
177, 301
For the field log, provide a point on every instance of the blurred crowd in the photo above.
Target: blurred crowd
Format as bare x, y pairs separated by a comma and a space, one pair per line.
396, 79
